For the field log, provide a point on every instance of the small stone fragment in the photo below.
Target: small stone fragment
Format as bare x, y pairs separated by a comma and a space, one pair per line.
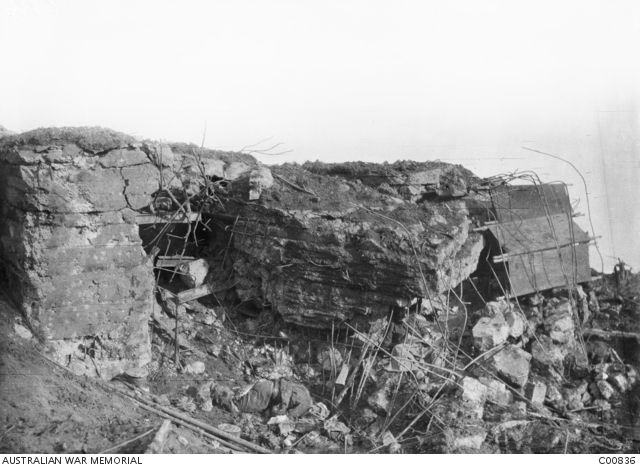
515, 321
474, 395
559, 324
490, 332
620, 382
22, 331
497, 392
193, 273
195, 367
330, 359
536, 392
259, 180
512, 363
605, 389
470, 439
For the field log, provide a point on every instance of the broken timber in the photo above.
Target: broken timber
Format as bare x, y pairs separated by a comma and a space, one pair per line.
172, 261
176, 218
533, 235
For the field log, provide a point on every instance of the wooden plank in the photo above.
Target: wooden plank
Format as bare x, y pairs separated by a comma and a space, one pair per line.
505, 257
170, 261
543, 270
195, 293
166, 219
537, 234
517, 202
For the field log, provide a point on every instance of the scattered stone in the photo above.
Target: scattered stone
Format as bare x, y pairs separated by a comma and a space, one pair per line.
474, 395
470, 438
497, 392
603, 405
554, 395
404, 357
519, 409
547, 356
388, 440
620, 382
195, 367
512, 364
515, 321
573, 397
605, 389
259, 180
379, 398
559, 323
536, 392
22, 331
490, 332
235, 170
214, 349
330, 359
193, 273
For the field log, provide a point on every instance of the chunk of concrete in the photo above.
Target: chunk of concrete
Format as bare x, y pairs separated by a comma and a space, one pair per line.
193, 273
548, 357
559, 323
515, 321
469, 439
606, 389
474, 395
536, 392
330, 359
497, 392
620, 382
259, 180
404, 357
512, 364
196, 367
490, 332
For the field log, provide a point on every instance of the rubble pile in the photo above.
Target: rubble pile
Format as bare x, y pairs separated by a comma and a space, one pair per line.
313, 308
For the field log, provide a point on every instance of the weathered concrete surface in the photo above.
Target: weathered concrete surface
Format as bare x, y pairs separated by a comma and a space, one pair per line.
70, 247
322, 248
69, 243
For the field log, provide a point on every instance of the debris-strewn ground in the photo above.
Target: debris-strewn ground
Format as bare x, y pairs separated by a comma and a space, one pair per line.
218, 305
403, 393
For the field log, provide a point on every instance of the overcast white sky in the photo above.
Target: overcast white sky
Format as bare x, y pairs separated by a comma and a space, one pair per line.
462, 81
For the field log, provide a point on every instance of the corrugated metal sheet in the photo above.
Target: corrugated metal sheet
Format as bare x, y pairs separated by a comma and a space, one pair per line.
536, 234
547, 269
518, 202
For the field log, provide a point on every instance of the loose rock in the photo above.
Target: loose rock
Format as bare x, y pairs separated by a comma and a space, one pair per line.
512, 363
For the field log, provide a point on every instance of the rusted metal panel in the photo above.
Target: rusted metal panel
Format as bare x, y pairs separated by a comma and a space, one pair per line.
518, 202
531, 272
536, 234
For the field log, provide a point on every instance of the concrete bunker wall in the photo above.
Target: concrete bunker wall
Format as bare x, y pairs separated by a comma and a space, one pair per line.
72, 201
70, 249
70, 246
